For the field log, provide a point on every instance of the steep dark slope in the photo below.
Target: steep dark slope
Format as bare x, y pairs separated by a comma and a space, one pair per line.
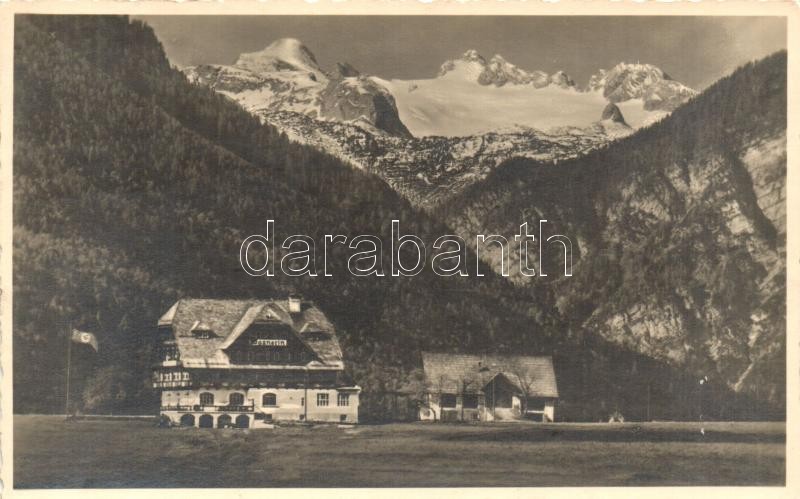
680, 228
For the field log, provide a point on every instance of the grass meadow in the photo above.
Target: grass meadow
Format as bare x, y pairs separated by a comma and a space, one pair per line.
52, 453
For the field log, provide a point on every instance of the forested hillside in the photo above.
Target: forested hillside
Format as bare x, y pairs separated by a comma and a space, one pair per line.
133, 188
680, 232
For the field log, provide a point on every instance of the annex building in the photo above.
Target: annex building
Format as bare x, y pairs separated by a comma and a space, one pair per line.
248, 363
461, 387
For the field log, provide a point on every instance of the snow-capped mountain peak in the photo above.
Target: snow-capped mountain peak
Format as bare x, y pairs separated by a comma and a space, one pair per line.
430, 138
561, 79
473, 55
285, 54
627, 81
468, 67
632, 74
498, 71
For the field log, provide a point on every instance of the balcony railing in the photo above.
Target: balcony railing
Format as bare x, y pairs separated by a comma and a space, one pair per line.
209, 408
172, 384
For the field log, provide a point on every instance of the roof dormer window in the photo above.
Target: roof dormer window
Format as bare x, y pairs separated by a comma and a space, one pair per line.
201, 330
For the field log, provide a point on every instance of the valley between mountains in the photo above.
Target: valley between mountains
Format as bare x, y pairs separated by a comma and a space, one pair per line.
135, 183
675, 202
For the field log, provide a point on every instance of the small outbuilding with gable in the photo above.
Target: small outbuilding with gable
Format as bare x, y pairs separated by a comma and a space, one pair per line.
461, 387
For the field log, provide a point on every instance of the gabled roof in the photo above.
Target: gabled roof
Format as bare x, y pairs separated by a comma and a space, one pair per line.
228, 319
166, 319
445, 372
241, 326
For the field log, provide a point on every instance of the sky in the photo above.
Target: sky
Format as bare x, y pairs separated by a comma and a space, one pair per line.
693, 50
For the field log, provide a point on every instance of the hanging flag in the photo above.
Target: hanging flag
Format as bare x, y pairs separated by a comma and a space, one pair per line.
84, 338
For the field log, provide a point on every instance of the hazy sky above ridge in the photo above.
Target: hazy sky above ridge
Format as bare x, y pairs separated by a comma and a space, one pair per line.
694, 50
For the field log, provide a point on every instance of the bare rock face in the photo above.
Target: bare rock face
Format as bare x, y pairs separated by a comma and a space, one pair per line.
221, 79
285, 76
612, 112
666, 95
561, 79
357, 98
430, 170
345, 70
498, 72
681, 231
640, 81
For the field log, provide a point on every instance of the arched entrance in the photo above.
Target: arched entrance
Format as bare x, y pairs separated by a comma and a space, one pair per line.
206, 421
224, 421
187, 420
242, 421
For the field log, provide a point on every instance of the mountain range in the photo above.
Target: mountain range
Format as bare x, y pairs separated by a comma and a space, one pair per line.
431, 138
485, 139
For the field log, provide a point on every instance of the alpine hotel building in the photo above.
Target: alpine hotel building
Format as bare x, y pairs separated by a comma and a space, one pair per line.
247, 363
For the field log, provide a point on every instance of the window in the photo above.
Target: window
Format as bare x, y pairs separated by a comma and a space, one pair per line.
269, 400
448, 400
302, 401
236, 399
343, 399
169, 352
470, 401
186, 376
206, 398
342, 418
322, 399
268, 417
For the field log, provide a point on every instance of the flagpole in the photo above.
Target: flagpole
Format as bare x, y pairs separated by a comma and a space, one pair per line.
69, 355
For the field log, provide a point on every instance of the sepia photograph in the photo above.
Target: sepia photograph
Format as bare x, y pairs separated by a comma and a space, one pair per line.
394, 251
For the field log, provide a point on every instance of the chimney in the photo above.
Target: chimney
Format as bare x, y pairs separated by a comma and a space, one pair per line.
295, 302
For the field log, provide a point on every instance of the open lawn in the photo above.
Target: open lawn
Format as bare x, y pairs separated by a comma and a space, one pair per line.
49, 452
